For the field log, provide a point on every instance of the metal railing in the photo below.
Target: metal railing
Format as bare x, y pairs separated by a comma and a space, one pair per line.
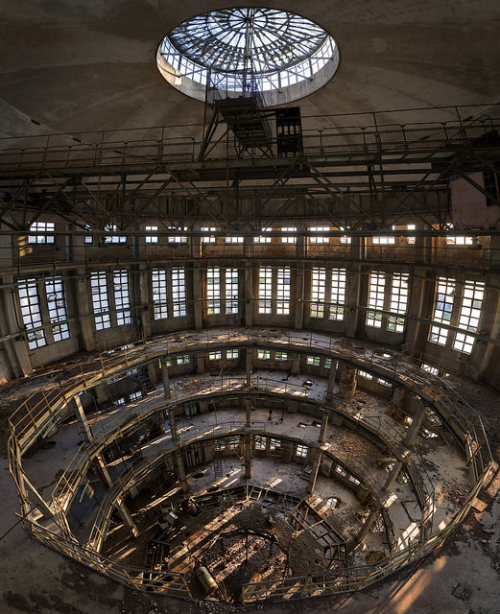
373, 134
42, 412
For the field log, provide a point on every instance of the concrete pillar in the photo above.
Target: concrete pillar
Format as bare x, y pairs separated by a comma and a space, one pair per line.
248, 295
197, 297
165, 378
353, 289
200, 365
319, 453
86, 320
347, 384
398, 396
484, 353
9, 364
82, 418
375, 511
416, 424
248, 439
120, 506
287, 453
299, 297
415, 305
300, 281
331, 380
179, 461
144, 300
369, 522
152, 368
248, 365
19, 354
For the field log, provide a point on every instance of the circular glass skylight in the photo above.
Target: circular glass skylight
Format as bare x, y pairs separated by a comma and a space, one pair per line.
279, 54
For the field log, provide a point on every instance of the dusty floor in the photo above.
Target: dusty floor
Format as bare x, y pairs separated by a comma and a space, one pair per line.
462, 577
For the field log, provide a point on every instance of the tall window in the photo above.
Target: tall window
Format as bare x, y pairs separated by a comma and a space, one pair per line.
338, 294
283, 291
122, 297
213, 290
289, 238
318, 279
208, 238
399, 302
263, 238
222, 290
231, 291
159, 286
151, 236
265, 289
30, 311
45, 228
114, 238
177, 237
383, 240
443, 308
375, 299
410, 240
163, 304
100, 301
56, 304
317, 238
470, 314
88, 239
178, 292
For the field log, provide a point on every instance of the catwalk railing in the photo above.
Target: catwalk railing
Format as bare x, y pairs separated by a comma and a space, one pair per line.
392, 132
106, 432
43, 411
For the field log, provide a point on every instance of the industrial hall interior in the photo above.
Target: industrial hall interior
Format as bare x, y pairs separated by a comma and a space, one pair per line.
249, 307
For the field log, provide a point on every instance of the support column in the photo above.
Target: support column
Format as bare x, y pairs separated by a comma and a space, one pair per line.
248, 295
331, 380
84, 312
248, 366
82, 418
120, 506
354, 289
10, 365
416, 424
153, 373
10, 324
197, 302
299, 282
144, 301
248, 439
485, 354
165, 378
347, 384
319, 452
179, 461
376, 510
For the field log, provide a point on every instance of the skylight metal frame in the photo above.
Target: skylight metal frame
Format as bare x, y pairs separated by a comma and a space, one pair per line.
274, 49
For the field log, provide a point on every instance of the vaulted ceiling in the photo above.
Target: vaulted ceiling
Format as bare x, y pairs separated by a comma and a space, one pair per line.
73, 65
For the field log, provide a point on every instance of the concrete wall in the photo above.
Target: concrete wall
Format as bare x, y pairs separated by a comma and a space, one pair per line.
482, 365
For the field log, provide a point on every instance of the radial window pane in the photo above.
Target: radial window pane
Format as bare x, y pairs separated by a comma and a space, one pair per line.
237, 50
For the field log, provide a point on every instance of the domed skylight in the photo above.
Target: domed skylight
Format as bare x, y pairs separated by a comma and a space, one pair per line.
282, 55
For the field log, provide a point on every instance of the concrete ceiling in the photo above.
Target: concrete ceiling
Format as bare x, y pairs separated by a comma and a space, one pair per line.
75, 65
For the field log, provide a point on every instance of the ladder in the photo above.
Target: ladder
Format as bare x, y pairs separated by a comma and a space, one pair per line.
217, 462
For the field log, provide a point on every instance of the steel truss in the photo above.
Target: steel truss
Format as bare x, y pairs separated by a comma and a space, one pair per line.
360, 175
